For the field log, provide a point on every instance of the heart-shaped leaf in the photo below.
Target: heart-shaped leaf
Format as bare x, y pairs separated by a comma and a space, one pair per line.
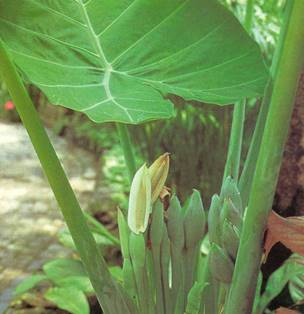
29, 283
69, 299
114, 60
67, 273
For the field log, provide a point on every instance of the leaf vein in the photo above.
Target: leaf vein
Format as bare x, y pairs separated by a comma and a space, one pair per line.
48, 37
179, 51
53, 62
65, 17
151, 31
211, 67
116, 19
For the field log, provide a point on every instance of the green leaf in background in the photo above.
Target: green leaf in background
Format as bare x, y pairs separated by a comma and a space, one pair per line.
68, 273
116, 272
29, 283
278, 279
66, 239
296, 283
69, 299
296, 288
113, 60
258, 292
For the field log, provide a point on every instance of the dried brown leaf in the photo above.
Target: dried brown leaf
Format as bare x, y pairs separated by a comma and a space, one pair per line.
289, 231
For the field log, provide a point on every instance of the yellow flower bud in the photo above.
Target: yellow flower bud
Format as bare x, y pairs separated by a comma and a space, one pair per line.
159, 172
140, 201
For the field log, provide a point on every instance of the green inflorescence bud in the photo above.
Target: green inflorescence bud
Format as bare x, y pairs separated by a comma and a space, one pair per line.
231, 213
157, 224
230, 191
194, 220
159, 172
175, 223
221, 265
230, 238
227, 206
214, 226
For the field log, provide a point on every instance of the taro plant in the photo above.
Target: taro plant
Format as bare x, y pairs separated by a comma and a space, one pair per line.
117, 61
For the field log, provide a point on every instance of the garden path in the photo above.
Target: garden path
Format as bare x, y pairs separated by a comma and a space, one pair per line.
29, 215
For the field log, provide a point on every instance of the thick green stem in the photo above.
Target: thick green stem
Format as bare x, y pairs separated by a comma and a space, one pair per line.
232, 166
249, 15
263, 188
106, 289
246, 179
127, 148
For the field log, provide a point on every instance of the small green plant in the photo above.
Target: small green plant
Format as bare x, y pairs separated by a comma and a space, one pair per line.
69, 285
65, 278
117, 61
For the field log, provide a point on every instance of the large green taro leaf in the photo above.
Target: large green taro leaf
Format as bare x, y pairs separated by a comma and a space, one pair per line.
115, 59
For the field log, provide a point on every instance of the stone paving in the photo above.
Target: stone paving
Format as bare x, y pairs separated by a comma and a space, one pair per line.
29, 216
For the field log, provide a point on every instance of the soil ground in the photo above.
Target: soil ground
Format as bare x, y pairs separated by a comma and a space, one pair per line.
29, 215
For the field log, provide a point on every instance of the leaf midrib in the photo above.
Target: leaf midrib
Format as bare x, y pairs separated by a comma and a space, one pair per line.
106, 65
93, 36
108, 69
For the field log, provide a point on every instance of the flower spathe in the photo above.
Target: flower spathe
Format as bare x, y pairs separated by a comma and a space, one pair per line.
159, 172
146, 187
140, 201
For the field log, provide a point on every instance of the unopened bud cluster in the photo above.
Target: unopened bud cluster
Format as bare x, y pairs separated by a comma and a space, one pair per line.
225, 223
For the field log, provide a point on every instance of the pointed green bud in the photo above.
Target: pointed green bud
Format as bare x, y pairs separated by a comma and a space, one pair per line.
140, 201
214, 228
194, 221
157, 224
221, 265
175, 223
230, 238
159, 172
231, 191
124, 232
231, 213
226, 187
